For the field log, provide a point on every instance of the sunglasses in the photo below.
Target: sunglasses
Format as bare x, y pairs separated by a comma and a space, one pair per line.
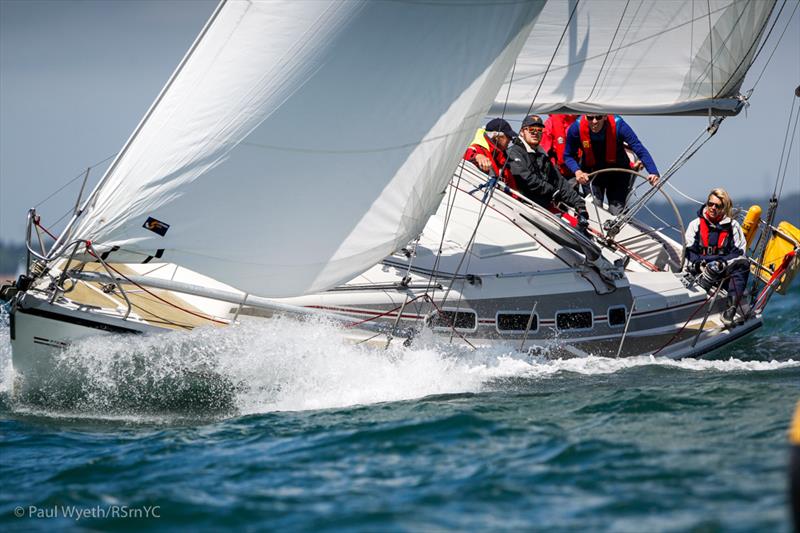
535, 129
714, 205
595, 118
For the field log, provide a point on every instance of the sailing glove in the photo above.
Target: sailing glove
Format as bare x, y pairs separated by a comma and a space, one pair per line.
583, 218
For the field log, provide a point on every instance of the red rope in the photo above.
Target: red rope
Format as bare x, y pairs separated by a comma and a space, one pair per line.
684, 325
775, 276
424, 296
204, 317
36, 221
390, 311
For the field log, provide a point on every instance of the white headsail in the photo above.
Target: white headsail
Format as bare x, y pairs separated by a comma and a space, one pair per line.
636, 57
299, 143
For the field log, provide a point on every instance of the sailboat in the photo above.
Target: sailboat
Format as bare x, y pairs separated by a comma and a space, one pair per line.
226, 205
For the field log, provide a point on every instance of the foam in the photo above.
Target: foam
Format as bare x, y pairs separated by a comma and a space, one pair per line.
284, 364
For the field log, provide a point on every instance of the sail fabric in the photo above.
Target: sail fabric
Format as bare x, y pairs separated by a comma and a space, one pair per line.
299, 143
636, 57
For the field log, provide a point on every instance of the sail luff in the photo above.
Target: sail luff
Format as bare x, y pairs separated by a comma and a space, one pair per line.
68, 229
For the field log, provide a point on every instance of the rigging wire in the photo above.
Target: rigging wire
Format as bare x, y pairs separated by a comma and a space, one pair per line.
451, 200
70, 182
552, 58
681, 160
769, 32
789, 151
769, 59
723, 47
608, 52
623, 46
508, 92
631, 22
755, 42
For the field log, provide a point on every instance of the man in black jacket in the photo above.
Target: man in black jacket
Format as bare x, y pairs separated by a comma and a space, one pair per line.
535, 175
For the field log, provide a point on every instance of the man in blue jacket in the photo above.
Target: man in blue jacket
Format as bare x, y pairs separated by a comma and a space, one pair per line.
596, 142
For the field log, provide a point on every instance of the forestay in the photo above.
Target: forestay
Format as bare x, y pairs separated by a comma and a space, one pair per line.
299, 143
637, 57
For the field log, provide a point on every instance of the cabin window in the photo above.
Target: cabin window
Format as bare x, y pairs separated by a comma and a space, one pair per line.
464, 320
574, 320
617, 316
508, 322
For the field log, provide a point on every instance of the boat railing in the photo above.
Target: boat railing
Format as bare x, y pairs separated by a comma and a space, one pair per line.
610, 228
53, 255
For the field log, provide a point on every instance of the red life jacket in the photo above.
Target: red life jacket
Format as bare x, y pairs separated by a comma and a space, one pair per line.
720, 244
611, 141
554, 138
496, 156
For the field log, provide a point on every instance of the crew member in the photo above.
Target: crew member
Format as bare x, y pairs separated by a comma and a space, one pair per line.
602, 140
714, 239
536, 176
488, 149
554, 140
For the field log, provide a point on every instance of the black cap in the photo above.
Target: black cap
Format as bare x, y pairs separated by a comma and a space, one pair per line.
532, 120
498, 124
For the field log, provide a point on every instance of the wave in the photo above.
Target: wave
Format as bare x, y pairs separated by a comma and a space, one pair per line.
288, 365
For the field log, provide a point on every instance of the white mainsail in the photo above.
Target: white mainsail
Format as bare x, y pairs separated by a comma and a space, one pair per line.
299, 143
636, 57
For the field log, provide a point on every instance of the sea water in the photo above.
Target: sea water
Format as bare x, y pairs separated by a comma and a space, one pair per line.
284, 425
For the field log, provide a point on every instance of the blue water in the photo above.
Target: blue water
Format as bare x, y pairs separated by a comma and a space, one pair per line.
285, 426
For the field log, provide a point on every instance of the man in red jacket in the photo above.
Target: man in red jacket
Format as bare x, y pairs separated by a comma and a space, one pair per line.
554, 140
488, 149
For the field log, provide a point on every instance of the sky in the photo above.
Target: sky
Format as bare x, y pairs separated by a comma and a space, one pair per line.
77, 76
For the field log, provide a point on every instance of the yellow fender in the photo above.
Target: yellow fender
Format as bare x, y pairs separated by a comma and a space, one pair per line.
750, 223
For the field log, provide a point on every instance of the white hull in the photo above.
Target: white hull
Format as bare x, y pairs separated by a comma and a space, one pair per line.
525, 285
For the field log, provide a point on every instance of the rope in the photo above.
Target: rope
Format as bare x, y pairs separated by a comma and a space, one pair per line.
423, 296
702, 304
682, 159
773, 279
390, 311
171, 304
37, 223
674, 188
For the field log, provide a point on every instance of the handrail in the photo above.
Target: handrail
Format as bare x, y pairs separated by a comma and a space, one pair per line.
91, 250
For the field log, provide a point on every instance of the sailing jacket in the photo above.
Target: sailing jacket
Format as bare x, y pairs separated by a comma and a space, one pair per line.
483, 145
597, 149
554, 140
537, 178
709, 241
